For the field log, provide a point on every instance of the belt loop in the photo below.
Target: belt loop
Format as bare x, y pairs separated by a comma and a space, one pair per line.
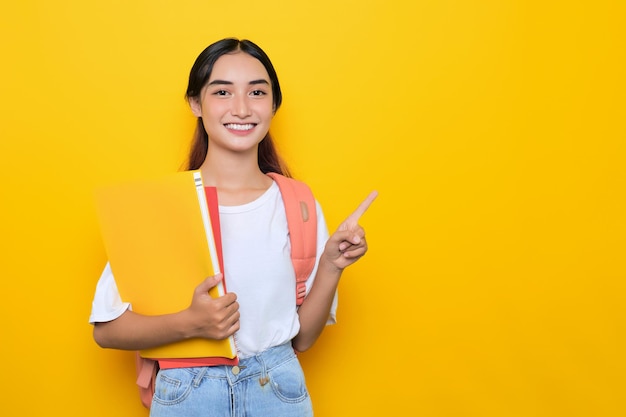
264, 378
198, 378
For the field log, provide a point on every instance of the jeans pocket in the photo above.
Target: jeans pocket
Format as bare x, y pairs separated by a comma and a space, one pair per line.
287, 381
173, 386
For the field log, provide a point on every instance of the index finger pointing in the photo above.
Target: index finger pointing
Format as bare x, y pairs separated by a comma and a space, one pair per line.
360, 210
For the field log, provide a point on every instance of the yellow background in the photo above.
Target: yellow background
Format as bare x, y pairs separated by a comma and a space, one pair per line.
493, 130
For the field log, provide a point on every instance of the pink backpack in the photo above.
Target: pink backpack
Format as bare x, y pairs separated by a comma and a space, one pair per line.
302, 222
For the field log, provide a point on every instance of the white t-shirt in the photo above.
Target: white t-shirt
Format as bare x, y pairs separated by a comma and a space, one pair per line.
257, 267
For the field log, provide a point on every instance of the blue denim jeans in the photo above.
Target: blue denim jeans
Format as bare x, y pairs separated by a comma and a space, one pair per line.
269, 384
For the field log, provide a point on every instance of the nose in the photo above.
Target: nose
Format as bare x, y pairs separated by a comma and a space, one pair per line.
241, 106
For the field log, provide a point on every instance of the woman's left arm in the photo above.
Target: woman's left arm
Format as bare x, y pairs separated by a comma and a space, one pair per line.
343, 248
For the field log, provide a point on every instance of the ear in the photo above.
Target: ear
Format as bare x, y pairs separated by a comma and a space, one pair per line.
196, 107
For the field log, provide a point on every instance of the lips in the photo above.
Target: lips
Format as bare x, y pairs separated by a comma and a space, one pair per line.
240, 127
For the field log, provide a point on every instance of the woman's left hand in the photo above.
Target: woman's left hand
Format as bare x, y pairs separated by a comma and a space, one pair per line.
348, 244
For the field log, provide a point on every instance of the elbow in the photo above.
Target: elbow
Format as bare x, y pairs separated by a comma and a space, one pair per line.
300, 345
100, 335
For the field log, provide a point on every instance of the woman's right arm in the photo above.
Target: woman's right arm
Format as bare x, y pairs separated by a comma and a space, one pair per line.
206, 317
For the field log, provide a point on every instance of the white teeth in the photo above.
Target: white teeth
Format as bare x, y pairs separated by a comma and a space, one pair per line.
235, 126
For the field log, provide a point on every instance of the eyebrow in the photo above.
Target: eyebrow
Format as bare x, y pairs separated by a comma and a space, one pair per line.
224, 82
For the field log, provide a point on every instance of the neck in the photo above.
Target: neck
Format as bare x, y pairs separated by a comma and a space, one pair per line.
234, 175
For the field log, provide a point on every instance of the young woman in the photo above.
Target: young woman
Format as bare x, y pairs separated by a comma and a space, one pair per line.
234, 92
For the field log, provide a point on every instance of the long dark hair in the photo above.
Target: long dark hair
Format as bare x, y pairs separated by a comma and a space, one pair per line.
269, 160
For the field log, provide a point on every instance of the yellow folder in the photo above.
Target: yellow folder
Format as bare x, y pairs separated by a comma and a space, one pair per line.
159, 237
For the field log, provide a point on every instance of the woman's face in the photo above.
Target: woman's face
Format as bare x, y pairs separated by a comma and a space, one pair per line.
236, 104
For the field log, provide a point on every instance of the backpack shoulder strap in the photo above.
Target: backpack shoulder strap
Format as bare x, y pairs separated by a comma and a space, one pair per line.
302, 221
146, 378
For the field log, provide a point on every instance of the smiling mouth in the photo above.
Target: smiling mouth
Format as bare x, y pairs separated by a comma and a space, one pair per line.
240, 127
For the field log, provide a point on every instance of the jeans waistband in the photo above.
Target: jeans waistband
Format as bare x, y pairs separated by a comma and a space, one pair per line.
248, 367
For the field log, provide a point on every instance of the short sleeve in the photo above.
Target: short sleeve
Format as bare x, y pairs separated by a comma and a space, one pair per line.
107, 304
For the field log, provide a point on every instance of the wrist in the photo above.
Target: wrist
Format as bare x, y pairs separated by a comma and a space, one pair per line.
329, 268
182, 325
